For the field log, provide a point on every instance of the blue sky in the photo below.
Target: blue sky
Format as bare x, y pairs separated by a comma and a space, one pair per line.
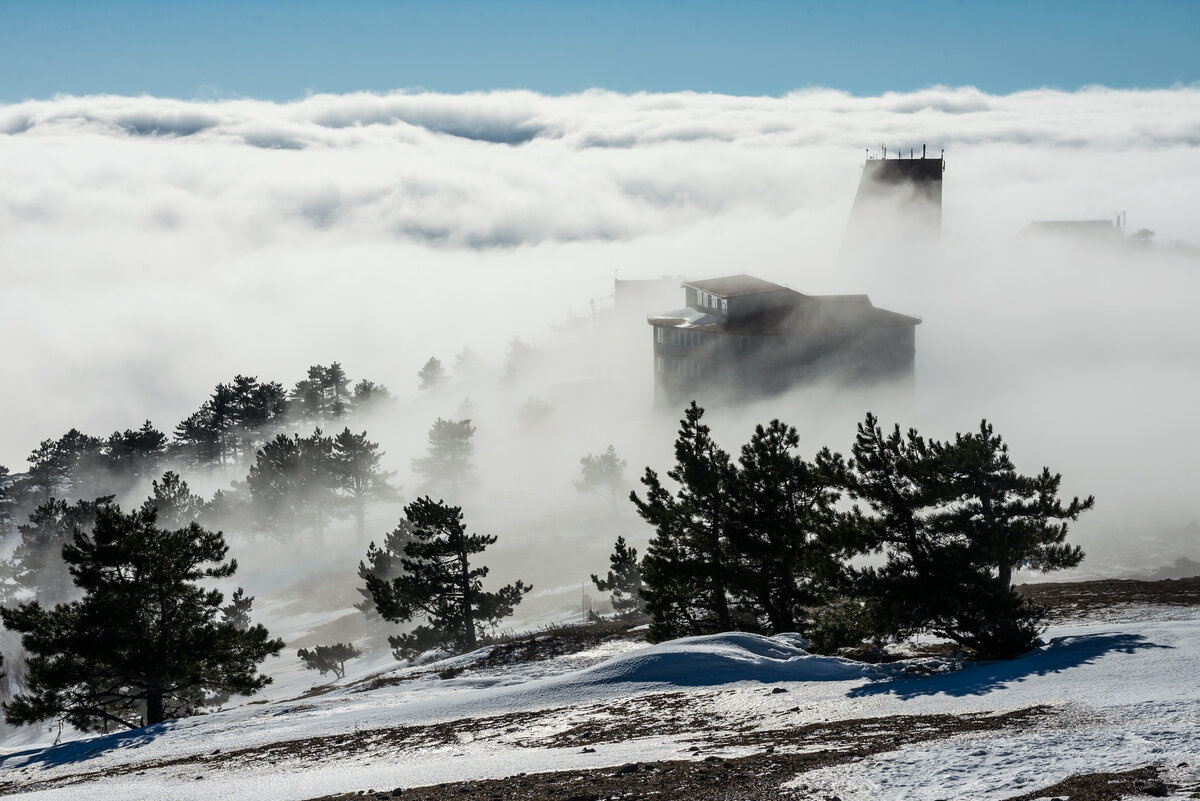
280, 51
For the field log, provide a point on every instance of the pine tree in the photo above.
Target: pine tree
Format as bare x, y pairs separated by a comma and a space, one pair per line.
323, 395
337, 390
534, 414
519, 357
439, 584
447, 464
1010, 520
176, 504
135, 455
237, 612
790, 541
624, 580
70, 467
383, 564
997, 520
144, 644
896, 475
7, 505
329, 658
955, 519
36, 568
358, 475
431, 374
467, 363
291, 484
686, 568
368, 395
198, 436
603, 474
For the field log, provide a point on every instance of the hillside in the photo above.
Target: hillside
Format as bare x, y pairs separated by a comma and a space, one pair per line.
1110, 697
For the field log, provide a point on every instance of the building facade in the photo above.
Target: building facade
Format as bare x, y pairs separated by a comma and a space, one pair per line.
741, 337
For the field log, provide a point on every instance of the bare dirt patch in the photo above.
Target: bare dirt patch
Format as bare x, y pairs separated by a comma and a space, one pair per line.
787, 751
1078, 599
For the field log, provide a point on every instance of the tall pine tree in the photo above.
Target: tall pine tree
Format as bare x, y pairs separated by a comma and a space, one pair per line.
358, 476
439, 584
145, 643
686, 568
788, 548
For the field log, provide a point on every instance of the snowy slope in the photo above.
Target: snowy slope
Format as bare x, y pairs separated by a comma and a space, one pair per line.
1125, 694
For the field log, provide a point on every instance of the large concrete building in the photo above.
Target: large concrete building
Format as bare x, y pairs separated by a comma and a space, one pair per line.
741, 337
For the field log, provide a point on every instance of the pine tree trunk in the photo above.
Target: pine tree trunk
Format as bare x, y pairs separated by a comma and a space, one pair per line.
468, 616
1006, 576
154, 707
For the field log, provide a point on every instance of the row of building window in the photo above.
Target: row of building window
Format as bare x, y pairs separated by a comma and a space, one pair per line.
707, 300
690, 368
683, 338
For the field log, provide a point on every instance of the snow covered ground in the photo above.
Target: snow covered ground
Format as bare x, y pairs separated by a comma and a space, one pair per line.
1122, 693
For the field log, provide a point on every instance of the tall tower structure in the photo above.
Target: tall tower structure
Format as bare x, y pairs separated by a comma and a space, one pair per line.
901, 192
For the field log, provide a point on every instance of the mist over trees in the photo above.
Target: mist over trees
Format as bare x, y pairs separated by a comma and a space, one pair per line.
431, 374
603, 474
358, 477
293, 481
37, 568
446, 466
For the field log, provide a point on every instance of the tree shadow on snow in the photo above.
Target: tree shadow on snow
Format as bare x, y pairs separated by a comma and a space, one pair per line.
1061, 654
82, 750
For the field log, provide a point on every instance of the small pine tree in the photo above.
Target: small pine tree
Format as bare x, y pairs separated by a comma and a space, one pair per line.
519, 357
431, 374
329, 658
447, 465
603, 474
176, 504
467, 364
624, 580
534, 413
439, 584
237, 612
7, 503
368, 395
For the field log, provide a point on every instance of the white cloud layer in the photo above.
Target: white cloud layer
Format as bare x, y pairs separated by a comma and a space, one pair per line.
150, 248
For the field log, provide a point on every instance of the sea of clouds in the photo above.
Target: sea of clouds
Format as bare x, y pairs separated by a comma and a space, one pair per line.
152, 247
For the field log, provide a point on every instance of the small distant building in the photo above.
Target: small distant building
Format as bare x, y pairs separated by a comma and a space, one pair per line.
740, 337
1091, 230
